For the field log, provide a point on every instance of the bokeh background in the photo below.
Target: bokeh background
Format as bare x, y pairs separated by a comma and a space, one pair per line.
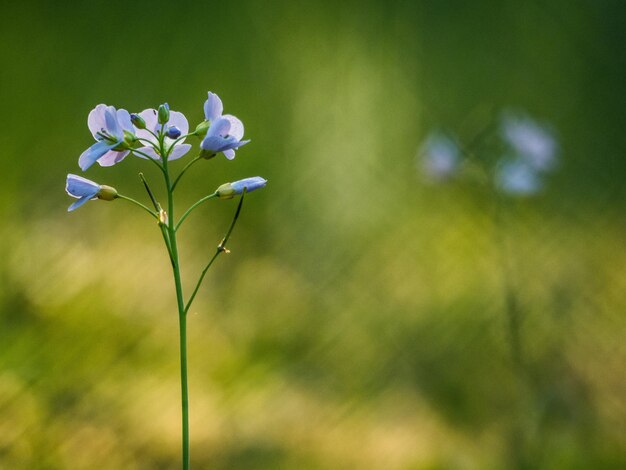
362, 319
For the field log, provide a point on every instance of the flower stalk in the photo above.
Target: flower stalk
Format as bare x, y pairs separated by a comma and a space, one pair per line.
158, 135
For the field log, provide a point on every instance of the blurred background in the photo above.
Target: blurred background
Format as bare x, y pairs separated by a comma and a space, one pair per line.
367, 317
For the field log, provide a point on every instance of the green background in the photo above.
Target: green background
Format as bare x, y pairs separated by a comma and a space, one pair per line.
360, 320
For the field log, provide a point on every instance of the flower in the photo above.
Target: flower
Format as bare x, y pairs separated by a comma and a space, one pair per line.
225, 131
109, 127
84, 190
176, 120
228, 190
530, 140
517, 177
439, 156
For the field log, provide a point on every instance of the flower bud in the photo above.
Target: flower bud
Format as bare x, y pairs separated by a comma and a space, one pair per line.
202, 128
129, 137
164, 113
225, 191
173, 132
228, 190
137, 121
106, 193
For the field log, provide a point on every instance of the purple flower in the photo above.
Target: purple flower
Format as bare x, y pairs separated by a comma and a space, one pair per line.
84, 190
228, 190
107, 126
225, 132
440, 156
176, 120
530, 140
517, 177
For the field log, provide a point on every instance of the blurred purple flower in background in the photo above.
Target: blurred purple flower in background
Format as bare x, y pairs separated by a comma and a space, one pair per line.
516, 177
530, 140
107, 126
439, 156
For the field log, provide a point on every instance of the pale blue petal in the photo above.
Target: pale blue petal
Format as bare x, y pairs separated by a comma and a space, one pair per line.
220, 126
229, 153
213, 107
249, 184
178, 151
77, 186
112, 126
236, 126
78, 203
112, 157
93, 153
179, 120
123, 118
96, 121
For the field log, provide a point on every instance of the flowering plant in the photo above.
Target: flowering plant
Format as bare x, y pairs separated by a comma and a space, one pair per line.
158, 135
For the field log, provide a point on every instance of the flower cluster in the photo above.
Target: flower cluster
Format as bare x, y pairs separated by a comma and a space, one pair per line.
526, 151
155, 134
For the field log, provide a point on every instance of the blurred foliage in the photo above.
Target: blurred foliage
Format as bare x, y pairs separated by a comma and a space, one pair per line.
360, 321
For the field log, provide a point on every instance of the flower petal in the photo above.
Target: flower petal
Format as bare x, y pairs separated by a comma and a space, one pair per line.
229, 153
93, 153
236, 126
112, 157
112, 126
78, 203
151, 119
123, 118
178, 151
77, 186
219, 127
179, 120
95, 120
249, 184
213, 107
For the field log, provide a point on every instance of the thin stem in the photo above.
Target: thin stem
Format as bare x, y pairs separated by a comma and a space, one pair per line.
221, 248
187, 166
182, 318
158, 209
137, 203
197, 203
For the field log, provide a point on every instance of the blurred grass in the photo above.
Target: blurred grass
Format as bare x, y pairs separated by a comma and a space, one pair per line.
359, 321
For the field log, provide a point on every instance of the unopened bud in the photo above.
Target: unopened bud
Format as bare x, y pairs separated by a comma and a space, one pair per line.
164, 113
225, 191
228, 190
137, 121
106, 193
129, 137
173, 132
202, 128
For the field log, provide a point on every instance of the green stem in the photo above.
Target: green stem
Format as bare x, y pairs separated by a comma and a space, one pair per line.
182, 318
200, 201
137, 203
221, 248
